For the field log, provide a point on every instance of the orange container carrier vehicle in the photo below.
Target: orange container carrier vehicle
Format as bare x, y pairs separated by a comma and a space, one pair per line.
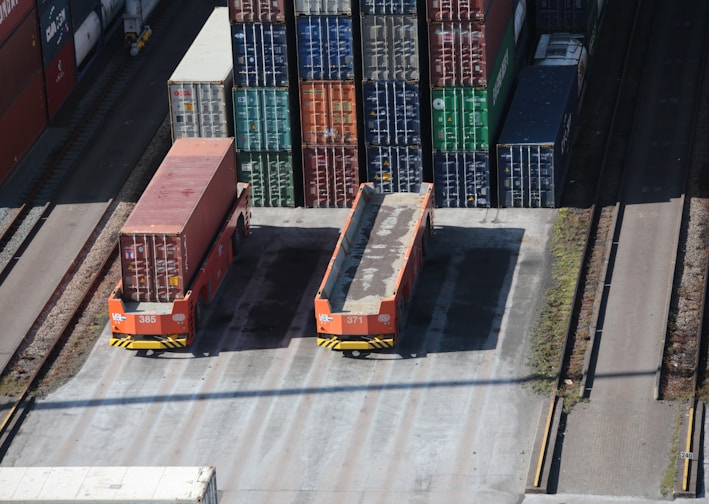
177, 245
364, 296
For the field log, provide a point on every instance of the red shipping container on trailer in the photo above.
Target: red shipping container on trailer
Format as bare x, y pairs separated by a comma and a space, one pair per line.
21, 124
20, 60
328, 113
248, 11
457, 10
60, 78
331, 176
12, 13
165, 238
461, 51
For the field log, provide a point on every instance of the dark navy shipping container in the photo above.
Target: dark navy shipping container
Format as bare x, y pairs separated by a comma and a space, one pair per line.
395, 169
260, 55
391, 113
461, 179
55, 28
315, 7
563, 15
390, 48
388, 6
534, 148
325, 48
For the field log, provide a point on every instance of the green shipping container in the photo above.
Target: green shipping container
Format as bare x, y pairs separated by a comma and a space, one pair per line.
271, 177
459, 119
467, 118
262, 119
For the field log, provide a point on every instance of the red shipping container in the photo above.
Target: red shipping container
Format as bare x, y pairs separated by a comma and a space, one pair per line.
249, 11
457, 10
12, 13
164, 240
21, 124
461, 51
328, 113
60, 78
331, 176
20, 60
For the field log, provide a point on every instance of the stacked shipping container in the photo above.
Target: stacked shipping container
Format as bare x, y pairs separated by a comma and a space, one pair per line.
262, 111
472, 58
200, 88
328, 110
23, 112
390, 90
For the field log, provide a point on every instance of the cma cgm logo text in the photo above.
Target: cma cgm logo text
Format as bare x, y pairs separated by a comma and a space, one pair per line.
58, 25
182, 92
6, 7
567, 133
500, 77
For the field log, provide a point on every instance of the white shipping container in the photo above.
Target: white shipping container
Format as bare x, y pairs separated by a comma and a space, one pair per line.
563, 49
200, 88
109, 485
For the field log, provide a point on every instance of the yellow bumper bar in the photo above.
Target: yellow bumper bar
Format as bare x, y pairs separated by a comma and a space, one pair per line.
162, 343
375, 343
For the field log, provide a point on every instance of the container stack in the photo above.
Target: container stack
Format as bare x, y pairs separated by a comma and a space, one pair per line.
390, 90
328, 103
262, 108
200, 87
472, 58
23, 113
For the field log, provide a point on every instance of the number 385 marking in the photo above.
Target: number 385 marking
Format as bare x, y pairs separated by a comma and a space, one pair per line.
147, 319
355, 319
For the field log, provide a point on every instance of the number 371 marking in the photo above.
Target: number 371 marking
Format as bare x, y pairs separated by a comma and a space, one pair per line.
355, 319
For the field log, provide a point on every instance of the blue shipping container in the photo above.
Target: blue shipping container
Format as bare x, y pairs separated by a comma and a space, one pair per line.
325, 48
260, 55
395, 169
391, 113
55, 28
534, 148
564, 15
461, 179
388, 6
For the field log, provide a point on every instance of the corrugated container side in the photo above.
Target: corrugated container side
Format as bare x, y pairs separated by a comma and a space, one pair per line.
500, 83
12, 13
395, 169
330, 176
461, 179
164, 240
461, 52
457, 10
325, 48
55, 28
200, 86
262, 119
20, 60
459, 118
60, 78
21, 123
260, 55
564, 15
388, 7
328, 113
391, 113
390, 48
315, 7
535, 144
270, 175
241, 11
